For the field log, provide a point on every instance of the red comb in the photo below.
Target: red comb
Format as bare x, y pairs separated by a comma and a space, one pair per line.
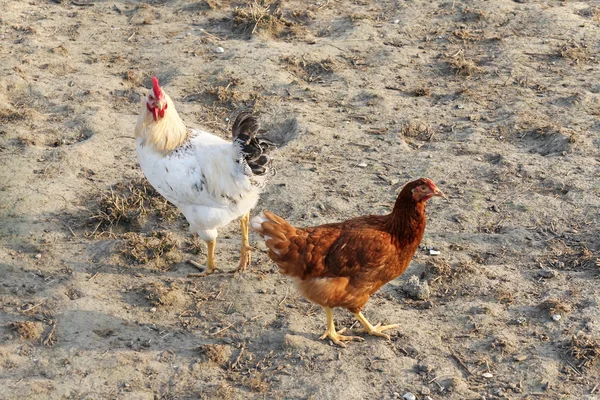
156, 88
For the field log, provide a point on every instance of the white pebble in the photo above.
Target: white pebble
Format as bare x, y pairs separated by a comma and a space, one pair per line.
434, 252
153, 310
38, 256
362, 165
220, 50
487, 375
396, 21
409, 396
556, 317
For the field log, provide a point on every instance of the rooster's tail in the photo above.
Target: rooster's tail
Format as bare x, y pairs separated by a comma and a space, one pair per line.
256, 143
277, 234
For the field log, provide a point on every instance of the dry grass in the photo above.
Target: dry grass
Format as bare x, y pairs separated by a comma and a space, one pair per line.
415, 130
264, 17
160, 246
574, 52
216, 353
463, 66
28, 329
170, 296
126, 206
310, 71
555, 306
440, 272
11, 115
194, 245
256, 382
585, 349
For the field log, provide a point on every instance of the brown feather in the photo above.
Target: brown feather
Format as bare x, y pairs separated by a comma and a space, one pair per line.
343, 264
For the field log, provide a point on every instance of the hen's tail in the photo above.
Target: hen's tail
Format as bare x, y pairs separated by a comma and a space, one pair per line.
278, 235
256, 143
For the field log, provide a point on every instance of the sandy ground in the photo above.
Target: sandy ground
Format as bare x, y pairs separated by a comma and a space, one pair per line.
497, 101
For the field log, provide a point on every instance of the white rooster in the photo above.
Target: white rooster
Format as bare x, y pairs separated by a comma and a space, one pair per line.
212, 181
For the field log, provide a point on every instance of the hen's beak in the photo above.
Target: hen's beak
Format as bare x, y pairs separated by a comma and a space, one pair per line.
439, 193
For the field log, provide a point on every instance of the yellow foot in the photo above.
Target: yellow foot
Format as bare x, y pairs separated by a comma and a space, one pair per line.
244, 259
206, 270
377, 330
338, 339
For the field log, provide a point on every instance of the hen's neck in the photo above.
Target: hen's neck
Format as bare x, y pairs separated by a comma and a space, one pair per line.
407, 222
166, 134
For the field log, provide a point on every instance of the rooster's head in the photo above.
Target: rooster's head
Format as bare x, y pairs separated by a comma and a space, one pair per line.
156, 102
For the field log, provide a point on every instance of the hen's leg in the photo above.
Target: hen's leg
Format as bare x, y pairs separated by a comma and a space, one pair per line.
374, 330
332, 334
245, 249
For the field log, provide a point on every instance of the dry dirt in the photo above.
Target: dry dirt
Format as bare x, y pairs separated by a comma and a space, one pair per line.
497, 101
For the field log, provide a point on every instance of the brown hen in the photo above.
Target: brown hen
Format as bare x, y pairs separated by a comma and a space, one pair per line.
343, 264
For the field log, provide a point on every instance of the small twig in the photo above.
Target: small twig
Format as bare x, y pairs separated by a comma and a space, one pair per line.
195, 264
71, 230
434, 380
80, 4
93, 276
237, 360
223, 329
594, 388
282, 300
131, 37
49, 340
36, 306
457, 358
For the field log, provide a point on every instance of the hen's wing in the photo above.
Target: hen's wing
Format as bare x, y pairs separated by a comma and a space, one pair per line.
353, 249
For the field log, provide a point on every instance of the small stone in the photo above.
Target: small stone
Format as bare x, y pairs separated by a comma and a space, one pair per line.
556, 317
38, 256
220, 50
409, 396
362, 165
425, 390
396, 395
547, 273
417, 289
396, 21
427, 398
520, 357
433, 252
487, 375
153, 310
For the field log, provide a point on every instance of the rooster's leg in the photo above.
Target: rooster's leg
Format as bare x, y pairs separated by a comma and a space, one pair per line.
374, 330
245, 249
210, 262
332, 334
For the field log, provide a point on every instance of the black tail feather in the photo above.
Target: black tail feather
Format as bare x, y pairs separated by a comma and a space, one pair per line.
256, 143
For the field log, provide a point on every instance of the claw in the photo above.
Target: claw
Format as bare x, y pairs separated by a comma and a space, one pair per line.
245, 258
338, 339
376, 330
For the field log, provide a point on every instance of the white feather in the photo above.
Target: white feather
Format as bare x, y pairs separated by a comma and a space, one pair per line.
203, 178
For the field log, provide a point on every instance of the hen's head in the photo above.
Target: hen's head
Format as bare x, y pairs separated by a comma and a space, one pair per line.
422, 189
156, 102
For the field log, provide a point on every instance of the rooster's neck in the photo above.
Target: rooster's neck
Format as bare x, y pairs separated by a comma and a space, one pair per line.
166, 134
